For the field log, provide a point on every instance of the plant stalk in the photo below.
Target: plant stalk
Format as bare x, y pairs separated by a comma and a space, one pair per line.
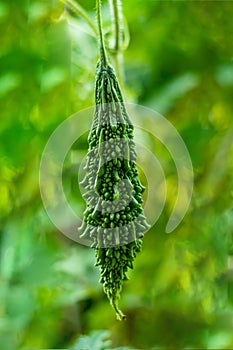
116, 15
116, 51
103, 55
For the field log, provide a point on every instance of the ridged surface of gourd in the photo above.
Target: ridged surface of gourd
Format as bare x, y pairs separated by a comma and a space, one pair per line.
114, 219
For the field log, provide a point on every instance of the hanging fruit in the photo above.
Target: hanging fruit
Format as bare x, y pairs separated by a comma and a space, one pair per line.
113, 220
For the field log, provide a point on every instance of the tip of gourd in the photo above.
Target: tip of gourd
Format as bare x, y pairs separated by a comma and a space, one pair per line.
119, 314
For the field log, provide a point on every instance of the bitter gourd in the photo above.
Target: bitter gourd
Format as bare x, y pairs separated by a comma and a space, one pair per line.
114, 219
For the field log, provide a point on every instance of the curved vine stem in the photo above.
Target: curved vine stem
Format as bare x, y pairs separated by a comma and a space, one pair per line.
116, 51
126, 38
103, 55
116, 16
82, 13
121, 29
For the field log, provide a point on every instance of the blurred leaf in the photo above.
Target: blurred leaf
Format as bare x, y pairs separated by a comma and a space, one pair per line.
96, 340
52, 78
224, 75
219, 341
164, 99
8, 82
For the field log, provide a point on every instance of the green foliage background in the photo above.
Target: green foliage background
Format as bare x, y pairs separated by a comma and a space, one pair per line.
180, 63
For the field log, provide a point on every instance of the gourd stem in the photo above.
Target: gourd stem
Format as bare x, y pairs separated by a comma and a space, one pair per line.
103, 55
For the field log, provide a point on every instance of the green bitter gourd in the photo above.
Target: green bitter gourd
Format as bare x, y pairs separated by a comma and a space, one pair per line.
114, 219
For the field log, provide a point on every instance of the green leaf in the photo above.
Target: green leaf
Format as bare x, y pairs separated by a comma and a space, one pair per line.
96, 340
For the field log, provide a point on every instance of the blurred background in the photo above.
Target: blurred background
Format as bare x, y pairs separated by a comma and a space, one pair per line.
179, 61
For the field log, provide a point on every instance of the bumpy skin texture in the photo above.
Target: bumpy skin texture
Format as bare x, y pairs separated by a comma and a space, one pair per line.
113, 219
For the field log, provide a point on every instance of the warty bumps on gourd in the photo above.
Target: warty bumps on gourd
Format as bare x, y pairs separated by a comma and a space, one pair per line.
113, 220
